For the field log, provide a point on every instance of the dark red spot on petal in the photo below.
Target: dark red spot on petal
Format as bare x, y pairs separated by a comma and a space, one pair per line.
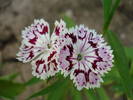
45, 30
33, 41
73, 37
57, 31
92, 44
38, 63
70, 47
94, 64
51, 55
27, 48
99, 59
31, 55
55, 63
77, 71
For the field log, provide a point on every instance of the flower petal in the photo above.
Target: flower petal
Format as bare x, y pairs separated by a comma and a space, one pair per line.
85, 79
59, 27
45, 66
35, 40
65, 59
27, 53
94, 80
33, 32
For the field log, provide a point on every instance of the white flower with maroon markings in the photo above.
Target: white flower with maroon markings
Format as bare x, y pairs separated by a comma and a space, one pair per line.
85, 57
41, 48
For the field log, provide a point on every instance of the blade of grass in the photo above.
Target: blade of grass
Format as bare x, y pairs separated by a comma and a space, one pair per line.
32, 81
48, 89
131, 69
107, 7
121, 62
108, 20
129, 52
9, 77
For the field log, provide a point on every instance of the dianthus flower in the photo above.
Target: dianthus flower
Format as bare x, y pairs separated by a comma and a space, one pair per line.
85, 56
41, 48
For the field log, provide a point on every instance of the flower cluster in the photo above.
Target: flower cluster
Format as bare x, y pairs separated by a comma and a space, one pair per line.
79, 52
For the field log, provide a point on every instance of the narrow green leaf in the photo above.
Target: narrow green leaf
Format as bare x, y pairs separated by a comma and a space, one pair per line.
48, 89
107, 4
108, 20
69, 22
32, 81
102, 94
120, 56
121, 62
131, 69
129, 52
9, 89
9, 77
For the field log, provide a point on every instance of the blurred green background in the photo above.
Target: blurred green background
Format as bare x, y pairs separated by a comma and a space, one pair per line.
17, 14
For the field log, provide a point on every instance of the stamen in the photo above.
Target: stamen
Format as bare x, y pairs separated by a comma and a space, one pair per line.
79, 57
49, 46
